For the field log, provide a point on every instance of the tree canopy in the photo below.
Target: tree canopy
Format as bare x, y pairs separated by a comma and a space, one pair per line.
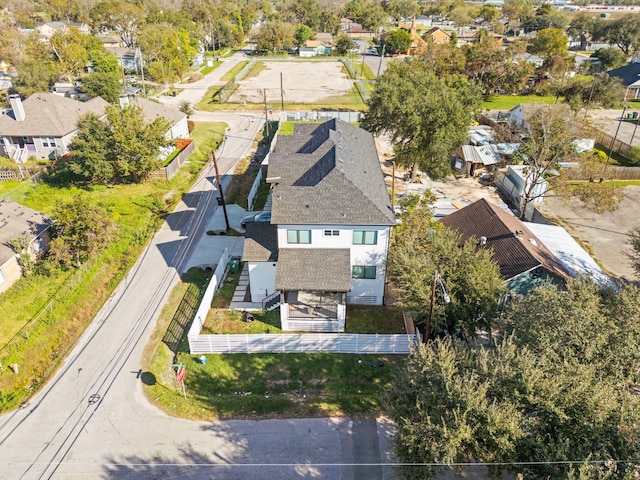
421, 248
426, 117
125, 148
81, 229
561, 386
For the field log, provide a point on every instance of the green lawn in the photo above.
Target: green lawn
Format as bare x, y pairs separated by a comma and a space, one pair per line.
231, 74
207, 70
42, 315
207, 135
273, 385
507, 102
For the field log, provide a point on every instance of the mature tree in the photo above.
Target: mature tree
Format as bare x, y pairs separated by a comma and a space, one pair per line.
623, 32
302, 34
35, 76
274, 35
125, 149
105, 85
398, 41
582, 91
489, 13
549, 42
550, 133
344, 43
444, 60
71, 49
168, 51
368, 13
422, 248
136, 142
121, 17
103, 62
517, 10
401, 9
306, 12
546, 17
582, 28
559, 387
634, 254
426, 117
610, 57
90, 156
81, 229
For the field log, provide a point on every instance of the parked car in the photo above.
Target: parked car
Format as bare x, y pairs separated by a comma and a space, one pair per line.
256, 217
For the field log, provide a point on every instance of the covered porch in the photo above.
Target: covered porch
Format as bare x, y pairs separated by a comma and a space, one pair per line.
313, 285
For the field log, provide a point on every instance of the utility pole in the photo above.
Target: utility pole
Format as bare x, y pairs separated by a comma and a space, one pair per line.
266, 116
144, 91
393, 184
613, 142
222, 202
433, 299
384, 45
281, 93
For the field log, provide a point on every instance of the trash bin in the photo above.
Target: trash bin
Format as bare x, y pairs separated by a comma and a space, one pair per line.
635, 115
629, 115
234, 265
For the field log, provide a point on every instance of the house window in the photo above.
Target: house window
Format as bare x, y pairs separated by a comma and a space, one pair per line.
298, 236
48, 142
364, 271
329, 233
364, 237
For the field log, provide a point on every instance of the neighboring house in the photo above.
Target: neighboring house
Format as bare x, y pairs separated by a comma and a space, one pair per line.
152, 110
324, 37
524, 261
438, 35
129, 58
49, 29
331, 217
423, 21
111, 42
630, 76
529, 58
17, 221
313, 48
354, 29
43, 125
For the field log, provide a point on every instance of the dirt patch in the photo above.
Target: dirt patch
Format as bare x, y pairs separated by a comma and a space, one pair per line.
605, 235
306, 82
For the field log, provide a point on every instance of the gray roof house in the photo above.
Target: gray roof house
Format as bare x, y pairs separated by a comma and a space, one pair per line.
42, 125
18, 221
326, 245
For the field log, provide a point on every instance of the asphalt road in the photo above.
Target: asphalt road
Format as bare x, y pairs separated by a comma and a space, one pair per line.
93, 421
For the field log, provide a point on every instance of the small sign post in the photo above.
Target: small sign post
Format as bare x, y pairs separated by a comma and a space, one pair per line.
180, 377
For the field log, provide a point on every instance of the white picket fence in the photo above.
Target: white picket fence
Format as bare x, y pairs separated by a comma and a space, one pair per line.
303, 343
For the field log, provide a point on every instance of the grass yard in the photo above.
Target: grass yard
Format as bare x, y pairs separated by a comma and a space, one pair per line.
207, 135
42, 315
507, 102
207, 70
374, 319
273, 385
231, 74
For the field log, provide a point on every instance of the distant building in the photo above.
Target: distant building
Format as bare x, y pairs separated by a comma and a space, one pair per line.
49, 29
129, 58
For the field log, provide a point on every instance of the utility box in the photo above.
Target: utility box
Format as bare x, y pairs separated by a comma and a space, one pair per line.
234, 265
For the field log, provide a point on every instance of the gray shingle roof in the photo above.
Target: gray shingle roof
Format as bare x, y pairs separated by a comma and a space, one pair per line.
314, 269
153, 110
18, 221
515, 254
328, 174
260, 243
49, 115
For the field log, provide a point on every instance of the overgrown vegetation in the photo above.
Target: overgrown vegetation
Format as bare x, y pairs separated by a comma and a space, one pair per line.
43, 314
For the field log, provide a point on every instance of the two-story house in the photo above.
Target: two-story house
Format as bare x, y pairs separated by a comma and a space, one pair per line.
331, 218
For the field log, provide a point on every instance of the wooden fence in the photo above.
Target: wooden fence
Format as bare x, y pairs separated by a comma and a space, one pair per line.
167, 173
304, 343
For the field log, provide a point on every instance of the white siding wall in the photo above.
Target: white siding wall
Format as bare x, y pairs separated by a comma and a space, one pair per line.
363, 290
179, 130
262, 279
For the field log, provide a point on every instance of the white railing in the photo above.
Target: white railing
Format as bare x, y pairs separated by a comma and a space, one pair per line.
254, 189
207, 298
304, 343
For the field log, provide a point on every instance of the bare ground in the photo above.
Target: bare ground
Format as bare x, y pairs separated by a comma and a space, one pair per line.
306, 82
